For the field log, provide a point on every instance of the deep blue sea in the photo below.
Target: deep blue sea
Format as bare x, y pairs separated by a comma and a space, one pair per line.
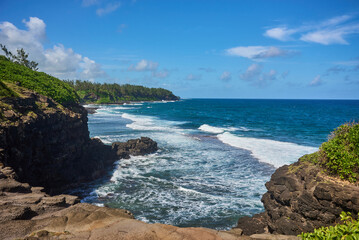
215, 155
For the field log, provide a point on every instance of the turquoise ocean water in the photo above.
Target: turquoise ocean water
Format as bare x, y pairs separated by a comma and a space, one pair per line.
214, 157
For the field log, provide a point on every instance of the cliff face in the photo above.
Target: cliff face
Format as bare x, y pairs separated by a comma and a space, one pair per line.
48, 145
301, 197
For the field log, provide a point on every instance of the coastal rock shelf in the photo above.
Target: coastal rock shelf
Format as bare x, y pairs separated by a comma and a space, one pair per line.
301, 197
29, 213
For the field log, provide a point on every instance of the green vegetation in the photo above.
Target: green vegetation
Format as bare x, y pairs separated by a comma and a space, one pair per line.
17, 71
5, 91
21, 58
114, 93
42, 83
340, 154
348, 231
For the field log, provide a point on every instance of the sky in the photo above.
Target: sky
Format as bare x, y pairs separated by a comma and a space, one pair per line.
278, 49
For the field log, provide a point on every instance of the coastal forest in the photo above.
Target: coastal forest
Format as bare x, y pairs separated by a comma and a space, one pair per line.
90, 92
68, 92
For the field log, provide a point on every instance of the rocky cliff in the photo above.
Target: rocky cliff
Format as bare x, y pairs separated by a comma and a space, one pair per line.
302, 197
48, 145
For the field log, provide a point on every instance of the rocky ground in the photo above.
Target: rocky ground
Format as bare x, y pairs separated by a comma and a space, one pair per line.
300, 198
29, 213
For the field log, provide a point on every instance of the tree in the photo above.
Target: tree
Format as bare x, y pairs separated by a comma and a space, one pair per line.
21, 58
8, 54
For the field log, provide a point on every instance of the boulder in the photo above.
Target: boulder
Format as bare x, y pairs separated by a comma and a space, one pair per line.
135, 147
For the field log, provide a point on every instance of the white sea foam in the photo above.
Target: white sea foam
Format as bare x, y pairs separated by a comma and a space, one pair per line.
99, 204
123, 108
134, 104
104, 139
216, 130
189, 191
269, 151
89, 105
148, 123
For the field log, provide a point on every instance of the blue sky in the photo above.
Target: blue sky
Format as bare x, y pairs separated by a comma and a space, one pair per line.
197, 49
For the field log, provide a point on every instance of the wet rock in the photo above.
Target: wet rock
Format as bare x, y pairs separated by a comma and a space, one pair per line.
135, 147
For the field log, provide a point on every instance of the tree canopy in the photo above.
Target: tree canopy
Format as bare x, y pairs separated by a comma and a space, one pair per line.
90, 92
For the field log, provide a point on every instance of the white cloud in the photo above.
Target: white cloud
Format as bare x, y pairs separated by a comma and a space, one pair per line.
144, 65
331, 31
331, 36
192, 77
336, 20
280, 33
317, 81
255, 76
110, 7
256, 52
58, 61
226, 76
252, 71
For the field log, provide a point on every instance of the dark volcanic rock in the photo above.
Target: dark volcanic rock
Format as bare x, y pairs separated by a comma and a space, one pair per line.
301, 198
253, 225
135, 147
48, 145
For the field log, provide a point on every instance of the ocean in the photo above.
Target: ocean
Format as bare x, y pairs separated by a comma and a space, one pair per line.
214, 157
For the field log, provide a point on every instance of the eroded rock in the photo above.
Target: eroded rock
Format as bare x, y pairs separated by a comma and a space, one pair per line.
300, 198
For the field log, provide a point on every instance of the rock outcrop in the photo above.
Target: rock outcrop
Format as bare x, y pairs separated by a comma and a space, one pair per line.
135, 147
48, 145
300, 198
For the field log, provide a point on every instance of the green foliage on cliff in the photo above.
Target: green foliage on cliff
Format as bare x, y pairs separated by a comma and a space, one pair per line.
5, 91
340, 154
349, 230
39, 82
114, 93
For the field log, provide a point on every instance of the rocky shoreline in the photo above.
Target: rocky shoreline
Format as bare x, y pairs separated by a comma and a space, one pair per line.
44, 144
29, 213
300, 198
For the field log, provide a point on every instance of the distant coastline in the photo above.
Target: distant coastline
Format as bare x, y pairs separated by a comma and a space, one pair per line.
92, 107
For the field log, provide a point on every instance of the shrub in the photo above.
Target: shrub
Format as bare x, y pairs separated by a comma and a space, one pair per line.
349, 230
340, 154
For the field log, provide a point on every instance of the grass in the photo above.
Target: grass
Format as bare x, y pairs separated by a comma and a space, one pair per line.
39, 82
